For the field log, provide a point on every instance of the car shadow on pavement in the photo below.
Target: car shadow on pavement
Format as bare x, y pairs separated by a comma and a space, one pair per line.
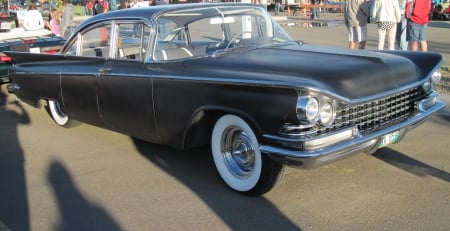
14, 211
410, 164
76, 212
196, 170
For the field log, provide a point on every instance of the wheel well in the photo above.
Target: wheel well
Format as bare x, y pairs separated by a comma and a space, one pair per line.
202, 124
42, 102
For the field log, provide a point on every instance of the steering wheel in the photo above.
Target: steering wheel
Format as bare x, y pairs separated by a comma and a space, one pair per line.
235, 37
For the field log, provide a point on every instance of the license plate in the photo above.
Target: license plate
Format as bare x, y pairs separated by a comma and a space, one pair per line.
5, 25
389, 139
35, 50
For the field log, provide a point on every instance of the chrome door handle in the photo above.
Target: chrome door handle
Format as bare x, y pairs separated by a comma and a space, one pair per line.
104, 70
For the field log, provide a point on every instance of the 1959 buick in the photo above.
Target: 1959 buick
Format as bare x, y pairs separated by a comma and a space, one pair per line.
227, 75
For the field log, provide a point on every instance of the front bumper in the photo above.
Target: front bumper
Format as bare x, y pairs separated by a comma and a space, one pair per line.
359, 143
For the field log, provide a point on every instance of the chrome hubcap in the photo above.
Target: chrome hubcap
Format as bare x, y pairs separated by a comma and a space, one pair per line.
59, 110
238, 152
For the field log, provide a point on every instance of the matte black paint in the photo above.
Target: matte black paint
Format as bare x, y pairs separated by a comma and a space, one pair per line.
160, 102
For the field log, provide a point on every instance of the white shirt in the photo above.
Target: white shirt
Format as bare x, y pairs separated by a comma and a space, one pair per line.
33, 20
140, 4
385, 11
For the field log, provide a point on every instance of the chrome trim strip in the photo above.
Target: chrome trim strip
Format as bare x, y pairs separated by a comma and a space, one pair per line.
313, 159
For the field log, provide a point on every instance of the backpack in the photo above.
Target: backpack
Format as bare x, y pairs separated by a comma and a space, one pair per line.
45, 10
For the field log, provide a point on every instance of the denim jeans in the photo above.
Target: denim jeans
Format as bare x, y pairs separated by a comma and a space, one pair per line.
315, 13
400, 38
277, 7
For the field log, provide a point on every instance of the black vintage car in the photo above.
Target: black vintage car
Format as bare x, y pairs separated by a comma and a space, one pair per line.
227, 75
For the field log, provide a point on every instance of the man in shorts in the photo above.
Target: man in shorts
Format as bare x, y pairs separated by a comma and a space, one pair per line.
417, 12
355, 15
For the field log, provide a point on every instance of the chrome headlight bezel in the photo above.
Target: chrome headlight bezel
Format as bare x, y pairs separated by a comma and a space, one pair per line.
308, 108
433, 80
436, 77
316, 109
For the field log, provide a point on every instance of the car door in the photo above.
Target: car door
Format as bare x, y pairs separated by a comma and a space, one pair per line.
79, 75
125, 85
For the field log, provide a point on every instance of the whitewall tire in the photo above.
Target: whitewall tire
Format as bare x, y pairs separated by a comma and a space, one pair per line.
57, 113
237, 157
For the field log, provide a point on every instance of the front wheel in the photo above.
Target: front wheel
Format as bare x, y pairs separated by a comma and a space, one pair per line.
57, 113
238, 160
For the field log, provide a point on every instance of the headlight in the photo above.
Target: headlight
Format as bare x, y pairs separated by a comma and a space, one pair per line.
326, 115
312, 109
436, 77
434, 80
307, 109
316, 109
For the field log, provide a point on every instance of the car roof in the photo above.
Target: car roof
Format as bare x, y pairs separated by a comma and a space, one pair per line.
149, 12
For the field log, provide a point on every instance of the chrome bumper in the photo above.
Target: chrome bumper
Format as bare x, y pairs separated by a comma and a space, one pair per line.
367, 143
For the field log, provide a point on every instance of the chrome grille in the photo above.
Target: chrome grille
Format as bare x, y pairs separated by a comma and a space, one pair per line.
367, 117
379, 113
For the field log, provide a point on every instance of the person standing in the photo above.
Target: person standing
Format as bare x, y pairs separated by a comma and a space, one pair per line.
417, 12
355, 17
315, 9
55, 21
82, 4
400, 37
139, 4
386, 13
89, 7
100, 6
45, 8
123, 4
33, 19
67, 25
112, 5
277, 6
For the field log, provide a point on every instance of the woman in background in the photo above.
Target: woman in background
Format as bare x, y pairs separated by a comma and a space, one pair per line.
386, 13
33, 19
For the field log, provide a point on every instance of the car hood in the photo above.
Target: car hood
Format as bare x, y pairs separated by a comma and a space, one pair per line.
348, 73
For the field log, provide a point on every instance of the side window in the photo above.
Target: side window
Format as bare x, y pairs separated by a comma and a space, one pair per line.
72, 50
247, 27
205, 31
96, 42
172, 41
133, 40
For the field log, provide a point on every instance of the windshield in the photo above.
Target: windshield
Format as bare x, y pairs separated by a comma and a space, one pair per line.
203, 31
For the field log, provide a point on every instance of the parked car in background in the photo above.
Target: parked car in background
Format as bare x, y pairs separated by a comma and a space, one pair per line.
39, 41
227, 75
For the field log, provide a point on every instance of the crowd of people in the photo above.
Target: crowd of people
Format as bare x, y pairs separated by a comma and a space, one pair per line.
60, 21
400, 22
43, 15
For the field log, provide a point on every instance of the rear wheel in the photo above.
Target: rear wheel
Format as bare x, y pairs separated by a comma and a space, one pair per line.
57, 113
238, 160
